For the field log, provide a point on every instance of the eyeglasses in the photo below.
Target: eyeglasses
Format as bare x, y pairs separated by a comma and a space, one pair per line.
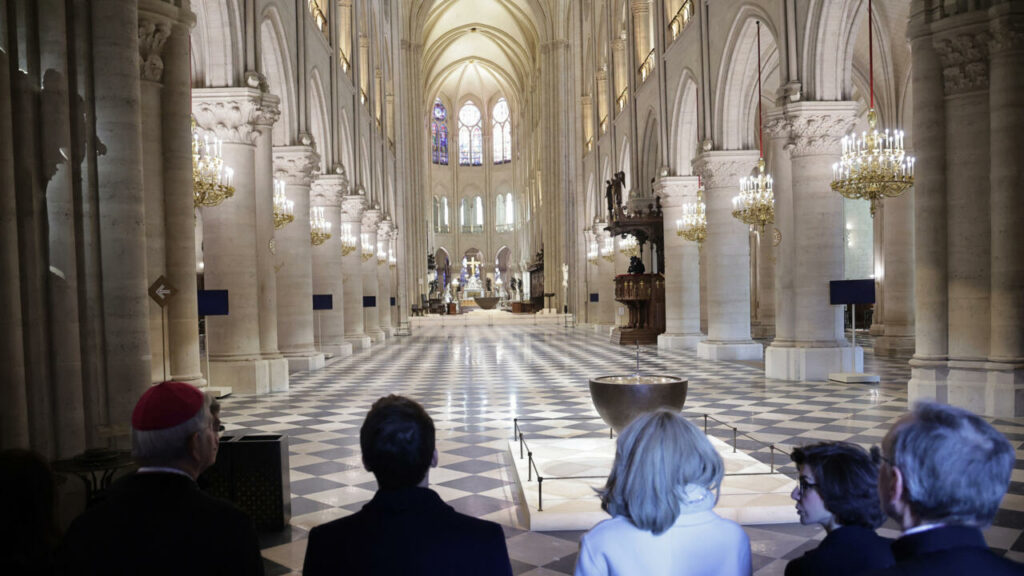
805, 485
877, 458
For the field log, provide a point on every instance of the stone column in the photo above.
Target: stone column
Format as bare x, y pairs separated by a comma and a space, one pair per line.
765, 311
897, 295
266, 258
178, 206
14, 414
931, 303
819, 345
1006, 101
371, 296
384, 232
641, 28
121, 206
727, 250
682, 267
231, 242
352, 207
776, 127
154, 29
603, 283
329, 325
878, 230
295, 165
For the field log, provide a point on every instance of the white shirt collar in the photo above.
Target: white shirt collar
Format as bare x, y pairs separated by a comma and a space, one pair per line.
922, 528
164, 469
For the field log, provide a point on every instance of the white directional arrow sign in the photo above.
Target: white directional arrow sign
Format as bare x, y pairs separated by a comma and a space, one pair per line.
161, 291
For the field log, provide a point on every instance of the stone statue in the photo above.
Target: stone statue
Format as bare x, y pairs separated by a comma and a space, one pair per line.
610, 197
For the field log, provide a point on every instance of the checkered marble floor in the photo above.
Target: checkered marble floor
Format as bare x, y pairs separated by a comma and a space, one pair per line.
474, 380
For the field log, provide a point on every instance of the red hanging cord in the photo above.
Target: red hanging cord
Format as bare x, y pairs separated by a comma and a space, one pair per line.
871, 57
760, 134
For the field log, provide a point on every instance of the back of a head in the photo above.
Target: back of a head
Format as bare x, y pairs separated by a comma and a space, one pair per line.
28, 521
164, 419
658, 456
847, 481
956, 467
397, 440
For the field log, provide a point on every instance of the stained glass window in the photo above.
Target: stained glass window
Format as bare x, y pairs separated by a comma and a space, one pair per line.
439, 133
470, 136
501, 133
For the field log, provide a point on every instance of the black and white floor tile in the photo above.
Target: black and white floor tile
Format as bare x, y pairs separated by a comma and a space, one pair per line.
475, 380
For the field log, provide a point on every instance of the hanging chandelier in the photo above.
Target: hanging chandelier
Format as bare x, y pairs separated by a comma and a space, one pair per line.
755, 204
319, 226
382, 254
211, 179
367, 246
392, 259
608, 249
628, 246
874, 165
693, 226
283, 207
348, 240
592, 252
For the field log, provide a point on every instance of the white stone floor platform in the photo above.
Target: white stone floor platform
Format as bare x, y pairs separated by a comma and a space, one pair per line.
480, 317
750, 494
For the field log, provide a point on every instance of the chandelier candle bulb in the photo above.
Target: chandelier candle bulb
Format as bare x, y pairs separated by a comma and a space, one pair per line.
319, 226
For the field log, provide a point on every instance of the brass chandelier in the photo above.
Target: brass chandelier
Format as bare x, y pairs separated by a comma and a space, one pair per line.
348, 240
693, 226
874, 165
367, 245
755, 204
284, 209
319, 226
211, 179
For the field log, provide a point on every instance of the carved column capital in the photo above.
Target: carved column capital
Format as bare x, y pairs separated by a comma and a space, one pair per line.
296, 165
675, 190
371, 219
964, 58
1007, 34
352, 206
385, 230
816, 128
724, 168
231, 114
326, 191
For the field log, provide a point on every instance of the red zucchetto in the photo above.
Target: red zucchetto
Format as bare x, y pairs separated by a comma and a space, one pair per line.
166, 405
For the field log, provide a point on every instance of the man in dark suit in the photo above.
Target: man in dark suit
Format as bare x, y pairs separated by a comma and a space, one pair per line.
406, 528
157, 521
942, 473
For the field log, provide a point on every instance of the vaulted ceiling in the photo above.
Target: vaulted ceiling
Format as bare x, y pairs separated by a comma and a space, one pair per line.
479, 46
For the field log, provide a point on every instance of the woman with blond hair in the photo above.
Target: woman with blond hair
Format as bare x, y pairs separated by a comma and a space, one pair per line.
661, 493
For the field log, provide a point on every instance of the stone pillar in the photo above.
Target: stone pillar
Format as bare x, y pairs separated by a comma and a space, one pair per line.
121, 206
1006, 102
14, 414
641, 28
605, 285
764, 314
231, 242
295, 165
154, 29
352, 206
329, 325
178, 207
897, 312
878, 230
266, 258
819, 345
776, 127
602, 103
929, 369
384, 233
727, 250
682, 267
371, 300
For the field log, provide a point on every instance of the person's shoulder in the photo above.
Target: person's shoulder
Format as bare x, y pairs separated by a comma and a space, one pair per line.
730, 527
610, 529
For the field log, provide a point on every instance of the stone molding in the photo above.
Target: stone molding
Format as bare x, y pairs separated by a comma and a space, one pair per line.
964, 59
326, 191
385, 229
153, 35
296, 165
371, 219
232, 114
723, 169
352, 207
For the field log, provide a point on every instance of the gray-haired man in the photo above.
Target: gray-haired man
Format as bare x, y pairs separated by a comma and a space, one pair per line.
942, 474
